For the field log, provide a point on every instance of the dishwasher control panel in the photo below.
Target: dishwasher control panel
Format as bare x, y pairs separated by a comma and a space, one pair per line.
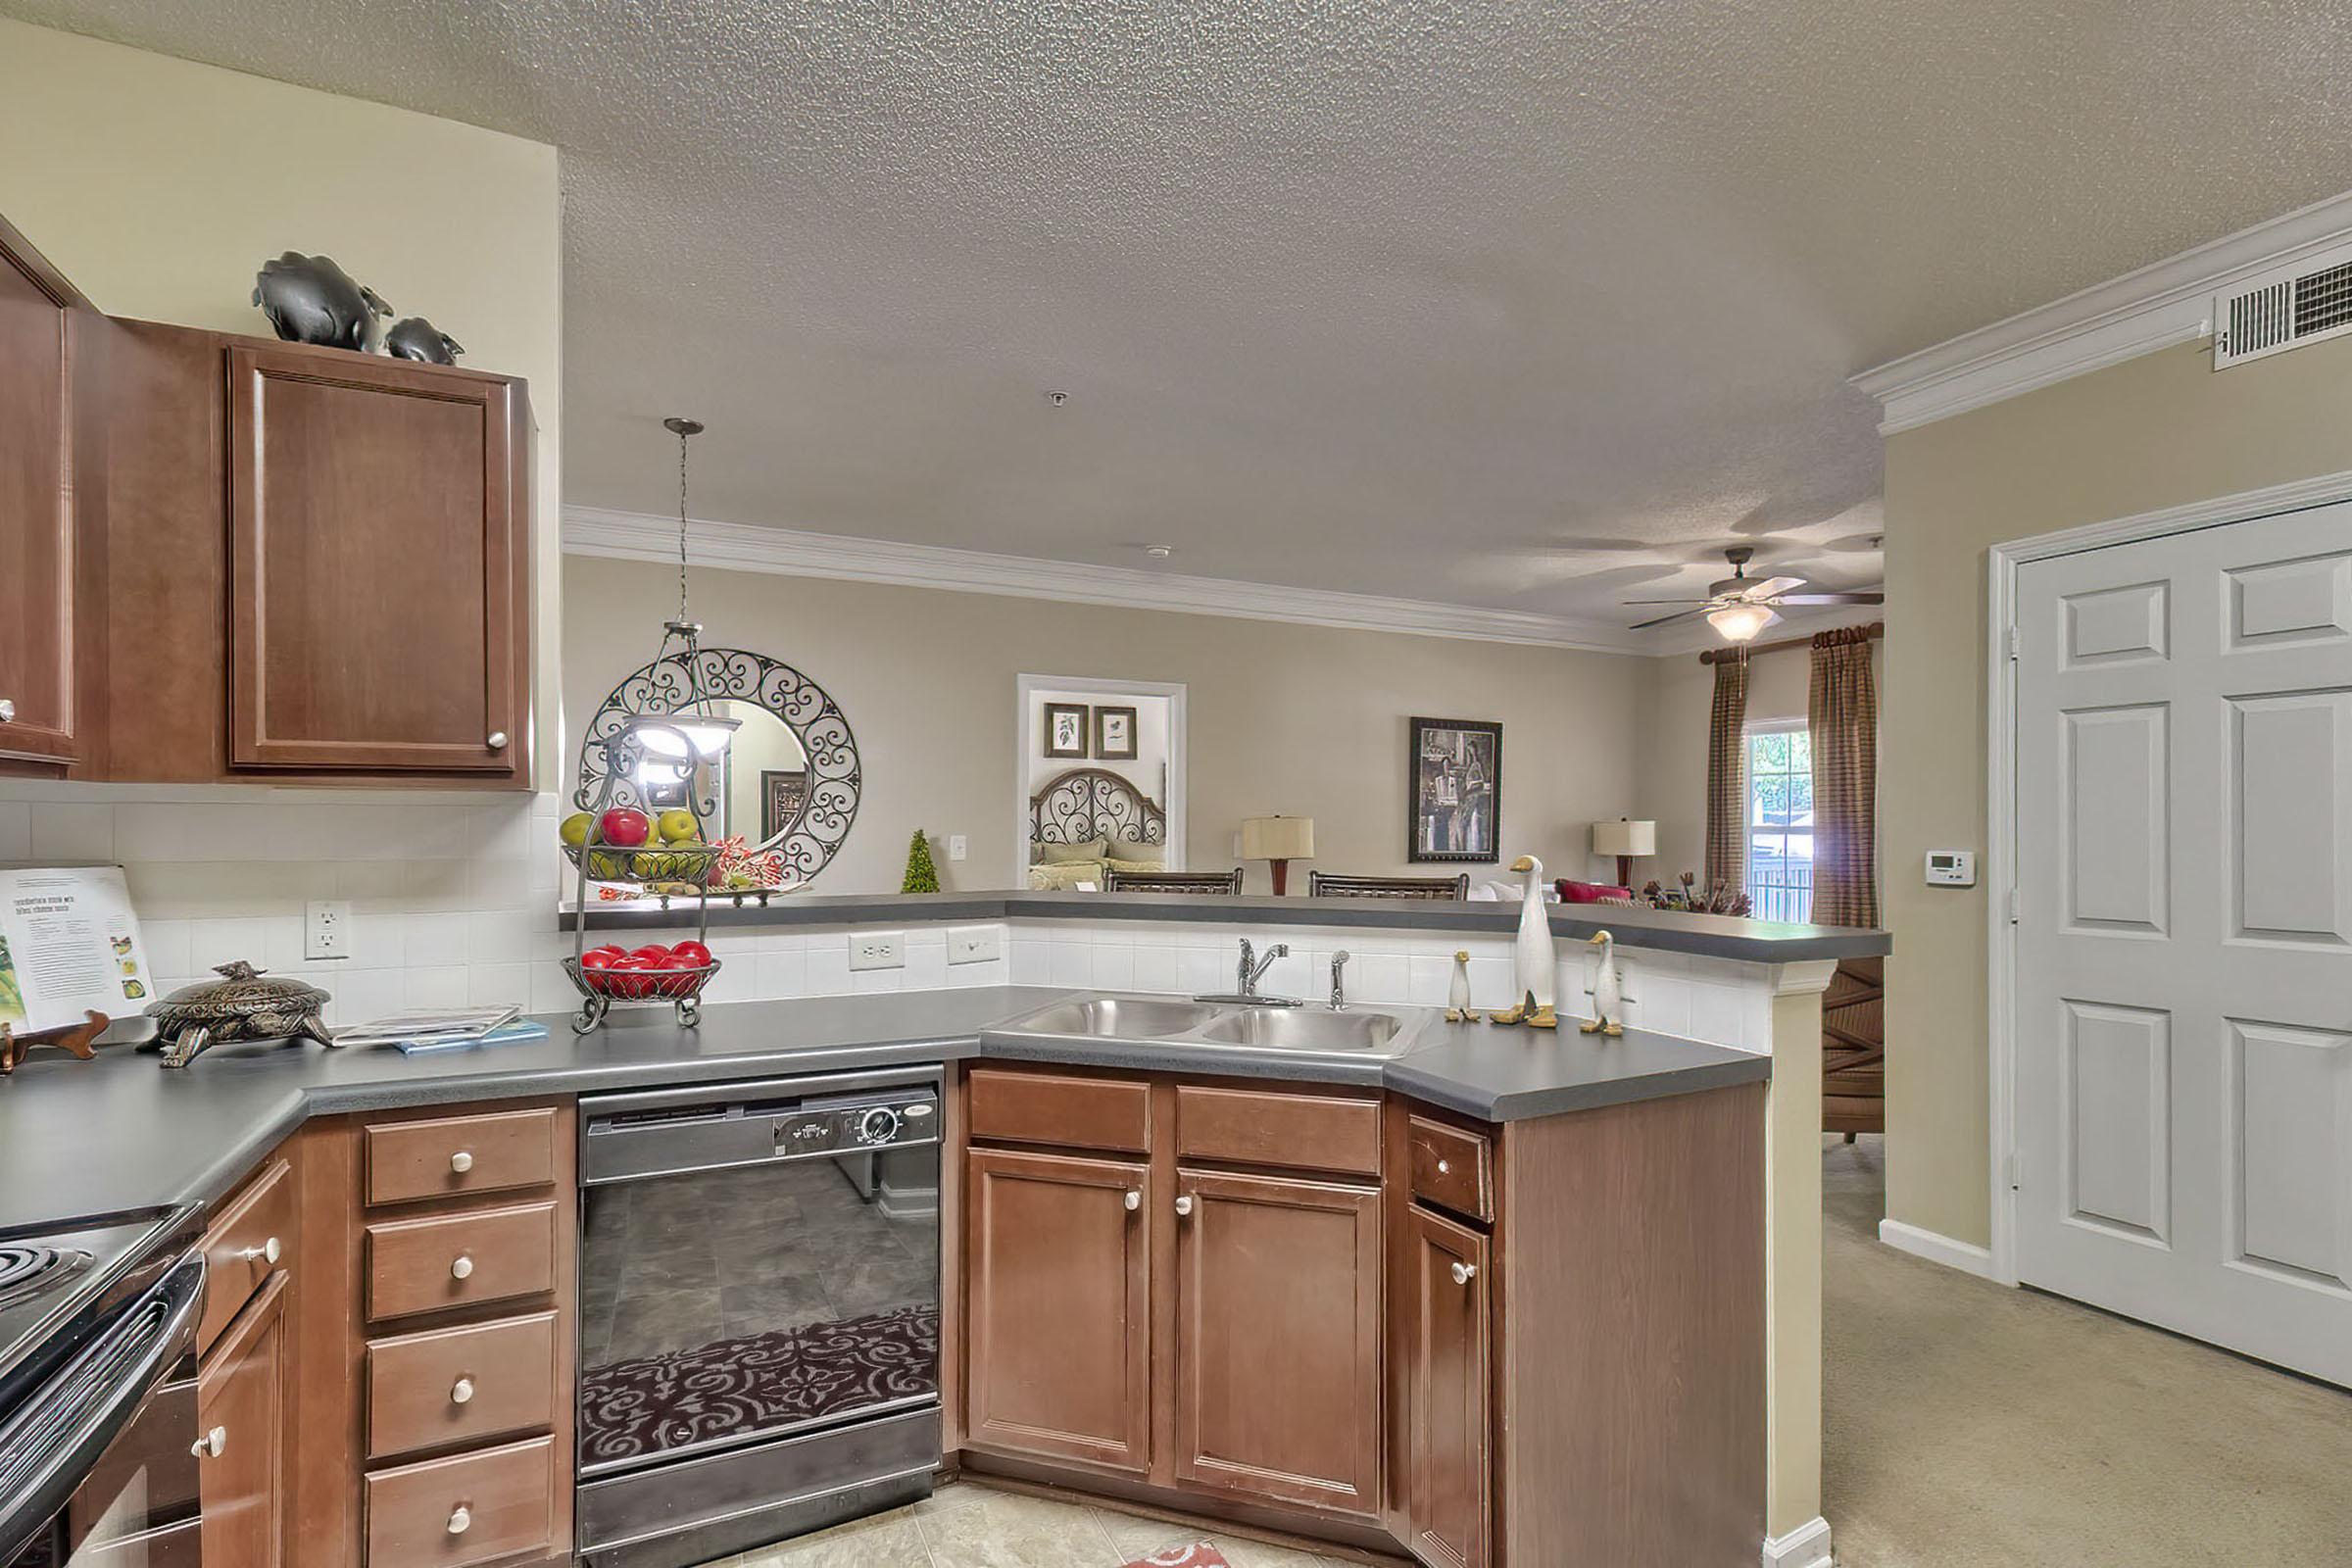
858, 1121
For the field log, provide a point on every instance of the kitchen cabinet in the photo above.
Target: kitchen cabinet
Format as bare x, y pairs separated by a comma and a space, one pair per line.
1445, 1336
1278, 1339
241, 1443
45, 567
295, 563
377, 544
1058, 1313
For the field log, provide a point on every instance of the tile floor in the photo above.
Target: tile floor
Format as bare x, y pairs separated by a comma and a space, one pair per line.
969, 1524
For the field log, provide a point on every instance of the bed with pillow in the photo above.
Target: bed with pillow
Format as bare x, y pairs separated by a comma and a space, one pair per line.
1090, 820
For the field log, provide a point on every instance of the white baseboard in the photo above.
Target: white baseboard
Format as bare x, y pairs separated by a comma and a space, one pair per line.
1806, 1546
1966, 1256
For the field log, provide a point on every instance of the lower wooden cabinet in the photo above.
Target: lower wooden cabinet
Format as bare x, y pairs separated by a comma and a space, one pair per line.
1278, 1339
1058, 1317
241, 1436
1447, 1340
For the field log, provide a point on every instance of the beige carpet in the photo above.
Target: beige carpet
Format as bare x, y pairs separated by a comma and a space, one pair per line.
1965, 1423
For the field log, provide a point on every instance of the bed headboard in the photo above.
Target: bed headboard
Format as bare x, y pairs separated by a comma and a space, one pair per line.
1093, 803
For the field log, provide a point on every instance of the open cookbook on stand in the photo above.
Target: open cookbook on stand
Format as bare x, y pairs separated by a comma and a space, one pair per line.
69, 946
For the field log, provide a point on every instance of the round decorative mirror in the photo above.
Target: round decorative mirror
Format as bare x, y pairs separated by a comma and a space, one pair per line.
787, 785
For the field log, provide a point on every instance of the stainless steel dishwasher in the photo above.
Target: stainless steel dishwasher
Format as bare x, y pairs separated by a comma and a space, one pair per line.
758, 1311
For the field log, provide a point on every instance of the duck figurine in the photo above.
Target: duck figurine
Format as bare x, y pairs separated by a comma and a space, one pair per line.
1458, 997
309, 299
1608, 998
1534, 969
412, 337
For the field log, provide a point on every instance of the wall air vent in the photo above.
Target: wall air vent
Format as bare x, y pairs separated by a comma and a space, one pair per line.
2282, 309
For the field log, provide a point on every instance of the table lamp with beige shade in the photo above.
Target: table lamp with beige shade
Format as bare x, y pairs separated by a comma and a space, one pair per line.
1626, 839
1279, 840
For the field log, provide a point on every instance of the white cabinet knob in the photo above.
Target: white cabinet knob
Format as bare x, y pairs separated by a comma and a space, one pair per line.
7, 712
269, 1251
461, 1519
1184, 1206
1134, 1202
463, 1268
1443, 1168
462, 1392
1463, 1273
208, 1446
498, 739
462, 1161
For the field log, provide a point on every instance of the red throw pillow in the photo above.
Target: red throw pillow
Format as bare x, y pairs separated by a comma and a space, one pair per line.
1591, 892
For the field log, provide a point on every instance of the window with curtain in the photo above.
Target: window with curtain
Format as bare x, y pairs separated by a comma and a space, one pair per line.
1778, 810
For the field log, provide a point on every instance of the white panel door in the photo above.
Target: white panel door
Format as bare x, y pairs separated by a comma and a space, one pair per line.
2184, 934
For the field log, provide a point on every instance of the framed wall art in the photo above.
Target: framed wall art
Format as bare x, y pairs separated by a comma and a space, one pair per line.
1114, 734
1066, 729
1454, 791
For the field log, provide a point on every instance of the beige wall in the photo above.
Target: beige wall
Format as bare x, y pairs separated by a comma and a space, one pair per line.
2156, 431
1285, 718
159, 186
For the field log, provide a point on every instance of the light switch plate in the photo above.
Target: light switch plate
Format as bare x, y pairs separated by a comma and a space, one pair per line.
878, 951
977, 944
956, 847
326, 929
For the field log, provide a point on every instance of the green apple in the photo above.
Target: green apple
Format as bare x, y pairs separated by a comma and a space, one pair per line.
574, 830
678, 825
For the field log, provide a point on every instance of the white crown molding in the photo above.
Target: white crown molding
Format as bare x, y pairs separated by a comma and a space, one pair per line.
743, 547
2160, 305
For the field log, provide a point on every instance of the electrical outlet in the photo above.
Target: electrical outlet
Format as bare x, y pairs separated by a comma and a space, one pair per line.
956, 845
326, 929
978, 944
878, 952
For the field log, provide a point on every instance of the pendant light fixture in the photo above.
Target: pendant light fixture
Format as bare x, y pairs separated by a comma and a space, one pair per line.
694, 730
1741, 621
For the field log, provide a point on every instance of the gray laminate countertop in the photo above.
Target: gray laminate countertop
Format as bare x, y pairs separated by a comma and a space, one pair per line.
118, 1135
1707, 936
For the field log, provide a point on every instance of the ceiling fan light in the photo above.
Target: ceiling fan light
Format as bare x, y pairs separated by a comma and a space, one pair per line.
1739, 623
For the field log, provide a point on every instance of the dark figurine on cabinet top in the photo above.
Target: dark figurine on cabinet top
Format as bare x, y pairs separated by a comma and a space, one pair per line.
309, 299
412, 337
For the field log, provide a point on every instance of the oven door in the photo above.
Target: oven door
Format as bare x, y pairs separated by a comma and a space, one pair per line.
96, 1469
748, 1273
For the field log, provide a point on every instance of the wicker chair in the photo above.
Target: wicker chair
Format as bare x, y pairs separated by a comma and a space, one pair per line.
1227, 883
1325, 885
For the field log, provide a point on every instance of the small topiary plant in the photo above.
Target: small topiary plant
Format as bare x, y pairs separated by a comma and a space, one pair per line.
921, 875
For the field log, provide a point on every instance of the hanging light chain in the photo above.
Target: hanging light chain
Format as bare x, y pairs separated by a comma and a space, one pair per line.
682, 428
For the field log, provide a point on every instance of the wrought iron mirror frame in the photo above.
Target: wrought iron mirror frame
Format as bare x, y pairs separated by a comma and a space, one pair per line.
808, 842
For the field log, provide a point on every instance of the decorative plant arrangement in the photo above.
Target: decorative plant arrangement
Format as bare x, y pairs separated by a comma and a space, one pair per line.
922, 876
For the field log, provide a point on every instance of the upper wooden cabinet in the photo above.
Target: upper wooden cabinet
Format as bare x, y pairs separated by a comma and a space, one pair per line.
377, 537
43, 325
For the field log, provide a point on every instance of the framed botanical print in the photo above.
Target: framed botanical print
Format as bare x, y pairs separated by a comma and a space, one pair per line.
1066, 729
1454, 791
1114, 734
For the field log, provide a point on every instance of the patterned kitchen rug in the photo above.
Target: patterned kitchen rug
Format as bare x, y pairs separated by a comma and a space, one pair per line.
1203, 1555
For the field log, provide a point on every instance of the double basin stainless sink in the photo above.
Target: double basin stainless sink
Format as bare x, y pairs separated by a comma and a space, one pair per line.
1234, 1026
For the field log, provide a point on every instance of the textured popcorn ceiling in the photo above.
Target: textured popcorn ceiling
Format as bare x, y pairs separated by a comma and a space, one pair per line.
1521, 304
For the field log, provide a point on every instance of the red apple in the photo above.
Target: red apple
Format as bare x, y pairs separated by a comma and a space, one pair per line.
678, 960
627, 977
604, 953
693, 952
626, 826
652, 950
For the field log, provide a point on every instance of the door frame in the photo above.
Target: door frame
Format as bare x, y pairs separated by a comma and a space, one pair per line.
2000, 782
1025, 688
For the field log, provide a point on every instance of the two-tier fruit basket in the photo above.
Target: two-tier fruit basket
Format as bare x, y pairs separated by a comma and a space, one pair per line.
621, 839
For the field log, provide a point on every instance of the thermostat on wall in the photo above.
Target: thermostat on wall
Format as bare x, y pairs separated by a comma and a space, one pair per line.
1951, 868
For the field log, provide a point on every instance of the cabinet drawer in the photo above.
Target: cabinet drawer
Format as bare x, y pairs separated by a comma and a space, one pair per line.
427, 1265
459, 1155
1451, 1168
475, 1508
1038, 1107
1258, 1127
449, 1385
253, 1238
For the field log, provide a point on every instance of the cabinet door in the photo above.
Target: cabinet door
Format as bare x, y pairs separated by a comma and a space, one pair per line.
1278, 1339
41, 315
377, 551
1446, 1343
1058, 1307
241, 1443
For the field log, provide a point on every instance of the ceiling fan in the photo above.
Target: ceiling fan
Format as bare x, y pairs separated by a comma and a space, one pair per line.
1739, 608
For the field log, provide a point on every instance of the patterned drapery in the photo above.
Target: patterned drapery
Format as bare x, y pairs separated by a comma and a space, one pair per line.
1727, 777
1842, 714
